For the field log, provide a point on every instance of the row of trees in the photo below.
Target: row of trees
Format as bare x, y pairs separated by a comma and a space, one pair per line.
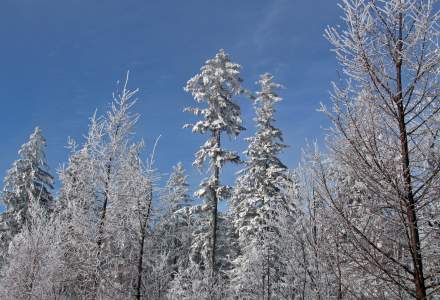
359, 221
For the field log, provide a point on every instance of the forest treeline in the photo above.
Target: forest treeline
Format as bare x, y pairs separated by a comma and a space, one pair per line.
359, 219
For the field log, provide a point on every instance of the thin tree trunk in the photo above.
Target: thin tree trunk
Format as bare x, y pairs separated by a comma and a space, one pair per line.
268, 273
140, 267
100, 237
317, 278
414, 242
338, 265
143, 229
214, 204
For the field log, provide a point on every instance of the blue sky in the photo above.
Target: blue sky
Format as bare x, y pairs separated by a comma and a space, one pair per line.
60, 60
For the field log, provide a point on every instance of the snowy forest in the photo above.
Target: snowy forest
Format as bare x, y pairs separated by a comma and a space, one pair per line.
356, 219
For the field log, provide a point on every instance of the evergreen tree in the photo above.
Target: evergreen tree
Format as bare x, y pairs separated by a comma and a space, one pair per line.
27, 181
175, 195
216, 86
172, 233
29, 178
258, 202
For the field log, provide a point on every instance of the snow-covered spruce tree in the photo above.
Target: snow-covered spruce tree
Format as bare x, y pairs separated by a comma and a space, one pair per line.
175, 195
216, 85
191, 281
258, 202
27, 181
29, 178
385, 140
171, 234
173, 228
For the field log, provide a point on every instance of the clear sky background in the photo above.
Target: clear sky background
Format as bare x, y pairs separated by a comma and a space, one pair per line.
60, 60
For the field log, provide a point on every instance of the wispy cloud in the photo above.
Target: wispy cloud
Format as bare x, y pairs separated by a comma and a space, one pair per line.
267, 28
266, 32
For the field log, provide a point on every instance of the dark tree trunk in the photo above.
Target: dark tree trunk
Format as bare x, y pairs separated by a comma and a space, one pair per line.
214, 204
411, 216
100, 238
143, 228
